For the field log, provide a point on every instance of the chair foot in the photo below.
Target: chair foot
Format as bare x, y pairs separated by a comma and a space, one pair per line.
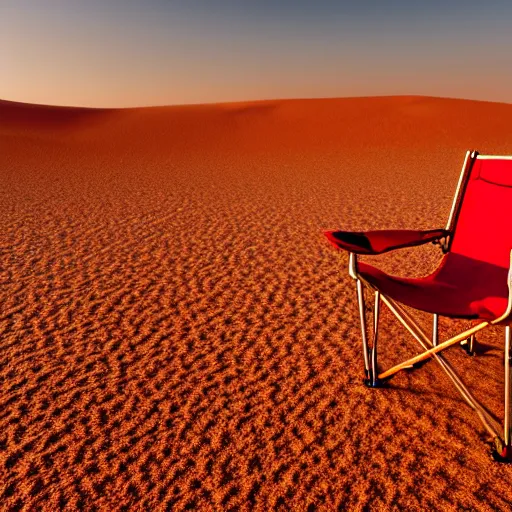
379, 383
500, 452
468, 346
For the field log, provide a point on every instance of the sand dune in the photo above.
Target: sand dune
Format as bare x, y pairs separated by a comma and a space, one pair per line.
175, 334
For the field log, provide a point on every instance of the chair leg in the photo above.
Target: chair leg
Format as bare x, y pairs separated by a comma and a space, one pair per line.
506, 426
471, 345
468, 345
435, 330
502, 448
362, 318
375, 370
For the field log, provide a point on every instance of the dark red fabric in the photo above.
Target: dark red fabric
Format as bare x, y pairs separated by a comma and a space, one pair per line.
460, 288
471, 281
378, 242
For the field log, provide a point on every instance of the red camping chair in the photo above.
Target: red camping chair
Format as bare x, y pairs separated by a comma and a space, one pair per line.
473, 280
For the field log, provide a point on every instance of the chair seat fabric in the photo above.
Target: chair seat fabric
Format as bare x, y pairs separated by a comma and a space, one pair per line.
381, 241
461, 287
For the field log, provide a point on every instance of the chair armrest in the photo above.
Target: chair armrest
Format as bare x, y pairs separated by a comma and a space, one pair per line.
378, 242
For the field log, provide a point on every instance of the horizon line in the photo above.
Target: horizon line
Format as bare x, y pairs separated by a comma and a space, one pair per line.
260, 100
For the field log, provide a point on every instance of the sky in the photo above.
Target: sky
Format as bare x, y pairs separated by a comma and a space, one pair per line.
122, 53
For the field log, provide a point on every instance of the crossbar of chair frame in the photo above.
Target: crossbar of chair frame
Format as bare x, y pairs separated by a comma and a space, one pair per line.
421, 337
433, 351
432, 347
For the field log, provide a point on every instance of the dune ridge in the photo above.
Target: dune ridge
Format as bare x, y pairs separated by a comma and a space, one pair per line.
175, 333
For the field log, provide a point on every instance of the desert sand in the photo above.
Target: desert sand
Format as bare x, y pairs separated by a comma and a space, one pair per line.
177, 334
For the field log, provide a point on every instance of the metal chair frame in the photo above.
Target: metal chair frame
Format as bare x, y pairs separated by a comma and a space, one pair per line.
432, 348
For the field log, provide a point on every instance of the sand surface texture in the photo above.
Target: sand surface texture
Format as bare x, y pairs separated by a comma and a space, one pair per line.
176, 334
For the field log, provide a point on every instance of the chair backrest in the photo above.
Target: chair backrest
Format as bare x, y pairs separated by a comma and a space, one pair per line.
482, 218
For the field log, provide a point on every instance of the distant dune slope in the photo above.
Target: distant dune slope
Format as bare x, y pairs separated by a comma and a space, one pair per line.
176, 334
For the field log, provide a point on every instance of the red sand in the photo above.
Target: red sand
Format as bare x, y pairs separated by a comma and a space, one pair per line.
176, 334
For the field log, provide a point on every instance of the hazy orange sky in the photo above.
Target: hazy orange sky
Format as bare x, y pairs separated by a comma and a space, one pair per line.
156, 52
